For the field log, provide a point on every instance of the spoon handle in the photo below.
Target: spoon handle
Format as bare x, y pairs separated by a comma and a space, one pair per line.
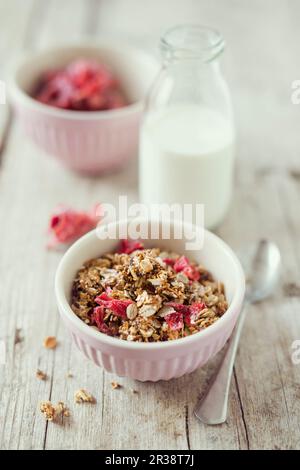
212, 408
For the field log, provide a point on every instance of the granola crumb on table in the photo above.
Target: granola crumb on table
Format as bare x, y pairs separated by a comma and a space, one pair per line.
52, 412
146, 295
61, 409
115, 385
41, 375
82, 396
50, 342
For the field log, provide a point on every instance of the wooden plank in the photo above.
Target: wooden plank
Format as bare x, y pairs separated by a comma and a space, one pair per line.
14, 29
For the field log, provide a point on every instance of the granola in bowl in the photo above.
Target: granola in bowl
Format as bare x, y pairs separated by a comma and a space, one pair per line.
146, 294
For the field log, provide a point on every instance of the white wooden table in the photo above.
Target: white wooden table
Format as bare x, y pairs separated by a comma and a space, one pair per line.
261, 61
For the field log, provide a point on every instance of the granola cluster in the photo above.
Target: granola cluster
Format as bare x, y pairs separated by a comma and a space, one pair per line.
51, 412
146, 295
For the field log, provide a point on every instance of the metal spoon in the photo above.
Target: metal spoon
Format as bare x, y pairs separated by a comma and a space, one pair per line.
265, 268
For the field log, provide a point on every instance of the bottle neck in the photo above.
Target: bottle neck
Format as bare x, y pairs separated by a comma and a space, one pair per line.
191, 45
192, 66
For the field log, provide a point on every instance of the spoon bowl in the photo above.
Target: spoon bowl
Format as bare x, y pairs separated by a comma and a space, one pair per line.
265, 270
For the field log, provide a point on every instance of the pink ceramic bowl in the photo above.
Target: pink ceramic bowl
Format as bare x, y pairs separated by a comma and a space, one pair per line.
155, 361
88, 142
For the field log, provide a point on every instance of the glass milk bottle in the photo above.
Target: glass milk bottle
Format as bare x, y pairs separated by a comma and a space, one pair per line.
187, 134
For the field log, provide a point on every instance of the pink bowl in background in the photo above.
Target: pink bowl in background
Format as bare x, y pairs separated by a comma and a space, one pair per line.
161, 360
87, 142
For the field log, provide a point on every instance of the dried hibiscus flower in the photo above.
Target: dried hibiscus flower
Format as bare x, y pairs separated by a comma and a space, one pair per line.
129, 246
83, 85
194, 312
169, 261
183, 265
189, 313
98, 319
175, 321
118, 307
67, 225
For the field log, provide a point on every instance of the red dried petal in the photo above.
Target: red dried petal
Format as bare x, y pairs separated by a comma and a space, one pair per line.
54, 221
117, 306
183, 265
180, 308
97, 318
175, 321
192, 273
128, 246
101, 297
194, 311
80, 71
189, 312
197, 307
84, 85
169, 261
67, 225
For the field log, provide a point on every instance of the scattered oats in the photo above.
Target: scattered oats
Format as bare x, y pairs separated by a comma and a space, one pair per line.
147, 333
156, 282
115, 385
131, 311
164, 254
147, 311
82, 396
134, 391
41, 375
70, 375
182, 278
156, 323
146, 265
212, 300
109, 276
142, 298
50, 342
165, 310
160, 261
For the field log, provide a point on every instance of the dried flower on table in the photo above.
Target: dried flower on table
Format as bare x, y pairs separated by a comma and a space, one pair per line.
82, 396
67, 225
